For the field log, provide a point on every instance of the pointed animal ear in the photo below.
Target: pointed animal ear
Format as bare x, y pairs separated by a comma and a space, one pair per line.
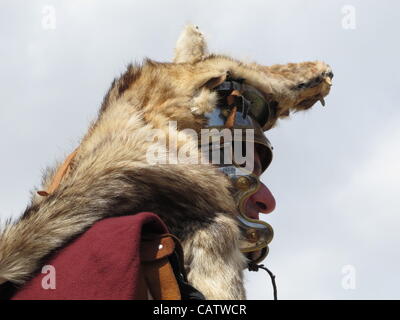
191, 46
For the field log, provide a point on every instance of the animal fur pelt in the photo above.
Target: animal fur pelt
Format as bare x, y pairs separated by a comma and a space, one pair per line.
110, 174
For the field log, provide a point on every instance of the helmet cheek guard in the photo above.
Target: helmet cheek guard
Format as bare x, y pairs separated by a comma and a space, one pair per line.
243, 107
255, 234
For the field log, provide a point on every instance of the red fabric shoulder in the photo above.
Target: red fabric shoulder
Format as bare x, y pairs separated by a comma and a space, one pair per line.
101, 264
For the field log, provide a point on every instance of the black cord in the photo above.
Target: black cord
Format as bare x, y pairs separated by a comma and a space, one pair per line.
255, 267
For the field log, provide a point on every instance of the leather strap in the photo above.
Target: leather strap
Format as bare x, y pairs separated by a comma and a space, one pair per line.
161, 280
230, 121
61, 172
157, 270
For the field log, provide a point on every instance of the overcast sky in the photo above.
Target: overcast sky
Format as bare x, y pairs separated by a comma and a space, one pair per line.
336, 170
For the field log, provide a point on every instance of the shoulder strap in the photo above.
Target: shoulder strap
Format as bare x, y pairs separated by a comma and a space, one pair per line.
157, 269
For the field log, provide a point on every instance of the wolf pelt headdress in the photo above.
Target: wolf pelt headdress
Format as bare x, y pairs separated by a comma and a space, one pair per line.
110, 175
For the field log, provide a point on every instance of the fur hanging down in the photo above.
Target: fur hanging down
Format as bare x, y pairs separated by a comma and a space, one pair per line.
110, 174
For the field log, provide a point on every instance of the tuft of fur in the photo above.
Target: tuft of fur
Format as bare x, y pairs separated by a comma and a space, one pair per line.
191, 45
226, 260
111, 174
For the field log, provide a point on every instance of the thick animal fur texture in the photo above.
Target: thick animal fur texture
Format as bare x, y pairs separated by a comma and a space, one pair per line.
111, 176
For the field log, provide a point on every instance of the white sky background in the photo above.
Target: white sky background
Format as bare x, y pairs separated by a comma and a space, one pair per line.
336, 170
